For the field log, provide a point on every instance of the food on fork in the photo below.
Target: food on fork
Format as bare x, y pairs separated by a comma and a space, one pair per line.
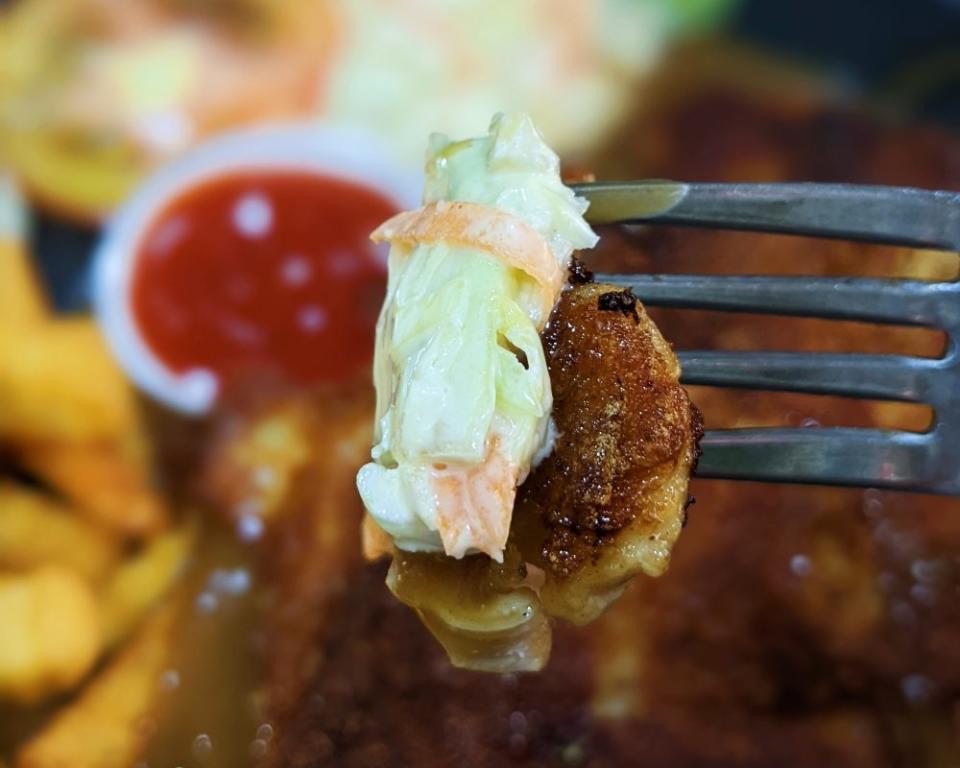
466, 409
463, 393
610, 499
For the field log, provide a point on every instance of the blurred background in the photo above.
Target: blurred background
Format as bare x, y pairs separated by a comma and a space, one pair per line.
94, 94
191, 593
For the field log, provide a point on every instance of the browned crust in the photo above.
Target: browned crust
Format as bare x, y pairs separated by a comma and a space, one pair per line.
625, 427
577, 272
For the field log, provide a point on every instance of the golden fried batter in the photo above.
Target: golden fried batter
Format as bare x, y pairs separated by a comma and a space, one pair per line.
609, 501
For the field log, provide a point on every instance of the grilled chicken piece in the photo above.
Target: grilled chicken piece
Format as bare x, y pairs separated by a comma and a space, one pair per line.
607, 504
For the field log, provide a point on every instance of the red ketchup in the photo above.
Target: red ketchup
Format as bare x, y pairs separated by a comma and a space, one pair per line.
264, 270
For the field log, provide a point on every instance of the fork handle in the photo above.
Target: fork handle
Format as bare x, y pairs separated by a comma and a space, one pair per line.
892, 215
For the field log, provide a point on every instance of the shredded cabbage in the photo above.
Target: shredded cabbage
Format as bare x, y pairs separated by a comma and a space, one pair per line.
463, 392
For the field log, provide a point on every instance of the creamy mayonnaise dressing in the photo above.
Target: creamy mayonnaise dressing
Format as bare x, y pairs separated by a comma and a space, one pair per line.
463, 392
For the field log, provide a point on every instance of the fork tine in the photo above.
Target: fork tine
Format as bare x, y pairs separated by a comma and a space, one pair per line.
834, 456
893, 215
883, 377
901, 302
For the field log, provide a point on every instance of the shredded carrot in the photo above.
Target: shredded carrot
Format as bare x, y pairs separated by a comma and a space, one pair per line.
474, 504
505, 236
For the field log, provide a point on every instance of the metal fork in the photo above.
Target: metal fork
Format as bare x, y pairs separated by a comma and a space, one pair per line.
928, 462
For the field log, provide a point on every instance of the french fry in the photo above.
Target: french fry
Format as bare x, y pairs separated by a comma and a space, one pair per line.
50, 634
21, 300
139, 584
58, 382
105, 481
103, 726
35, 530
